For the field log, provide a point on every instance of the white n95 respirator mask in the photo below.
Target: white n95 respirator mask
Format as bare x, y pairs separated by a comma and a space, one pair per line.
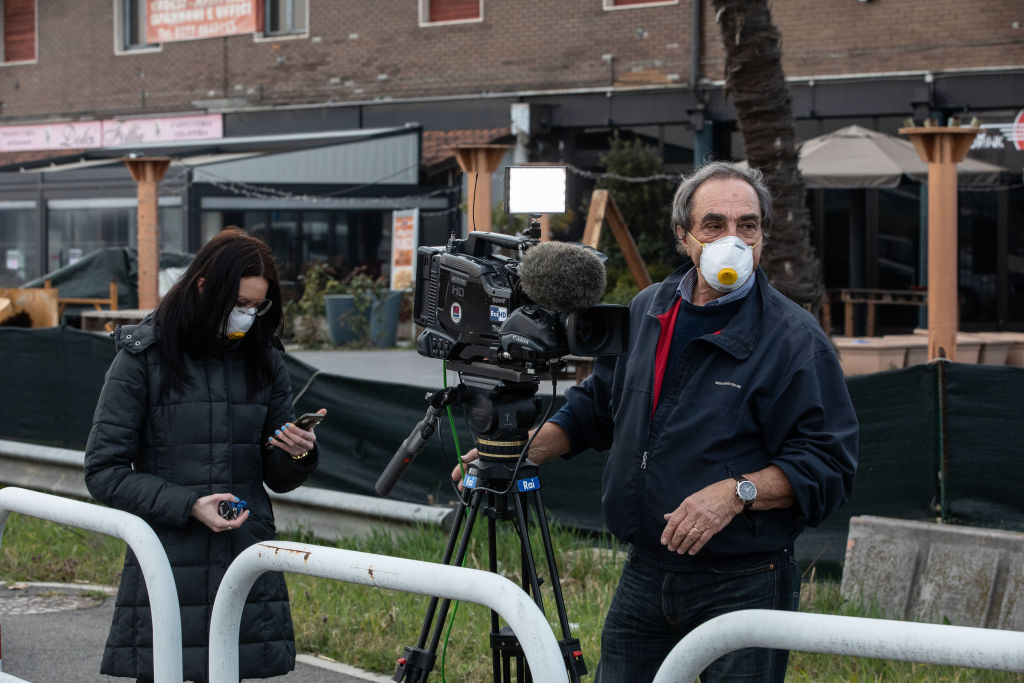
239, 321
727, 263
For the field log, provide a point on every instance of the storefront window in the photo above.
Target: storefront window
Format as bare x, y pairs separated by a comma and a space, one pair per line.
1015, 258
343, 239
977, 256
18, 243
316, 233
77, 227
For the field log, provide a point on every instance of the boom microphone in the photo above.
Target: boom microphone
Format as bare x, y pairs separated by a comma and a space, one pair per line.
562, 277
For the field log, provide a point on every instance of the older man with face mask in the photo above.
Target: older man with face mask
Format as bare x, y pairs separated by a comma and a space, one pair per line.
730, 429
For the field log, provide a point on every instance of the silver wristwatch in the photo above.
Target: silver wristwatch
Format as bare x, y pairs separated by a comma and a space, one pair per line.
745, 490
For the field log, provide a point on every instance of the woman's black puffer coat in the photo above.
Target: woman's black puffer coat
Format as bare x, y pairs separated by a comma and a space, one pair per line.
153, 456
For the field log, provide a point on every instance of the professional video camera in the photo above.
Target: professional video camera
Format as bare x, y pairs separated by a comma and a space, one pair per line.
516, 311
503, 321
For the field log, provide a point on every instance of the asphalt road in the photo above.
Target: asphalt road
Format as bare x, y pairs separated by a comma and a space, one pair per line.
55, 633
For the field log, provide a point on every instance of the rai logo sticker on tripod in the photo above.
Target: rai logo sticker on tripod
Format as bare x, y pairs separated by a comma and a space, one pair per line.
469, 481
531, 484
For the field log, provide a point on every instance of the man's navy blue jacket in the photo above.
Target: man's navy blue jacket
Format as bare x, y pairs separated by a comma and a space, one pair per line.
765, 389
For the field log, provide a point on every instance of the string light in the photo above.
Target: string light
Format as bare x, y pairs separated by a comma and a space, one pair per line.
674, 177
268, 192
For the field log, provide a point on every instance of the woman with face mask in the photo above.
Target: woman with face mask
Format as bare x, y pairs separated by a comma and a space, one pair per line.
194, 420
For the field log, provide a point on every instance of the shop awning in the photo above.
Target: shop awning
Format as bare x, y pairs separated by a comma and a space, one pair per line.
388, 156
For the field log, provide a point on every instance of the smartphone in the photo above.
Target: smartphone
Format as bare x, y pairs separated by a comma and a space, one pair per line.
304, 421
308, 420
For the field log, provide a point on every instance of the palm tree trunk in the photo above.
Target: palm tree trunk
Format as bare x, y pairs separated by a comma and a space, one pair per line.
757, 85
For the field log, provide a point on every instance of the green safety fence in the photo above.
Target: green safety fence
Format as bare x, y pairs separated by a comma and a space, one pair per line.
936, 440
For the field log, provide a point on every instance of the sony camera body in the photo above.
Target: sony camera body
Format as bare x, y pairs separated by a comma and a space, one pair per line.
472, 303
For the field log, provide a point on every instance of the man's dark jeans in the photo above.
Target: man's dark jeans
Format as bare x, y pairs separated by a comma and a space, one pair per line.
654, 608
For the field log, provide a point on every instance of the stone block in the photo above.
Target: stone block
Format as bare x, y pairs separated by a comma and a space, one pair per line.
1011, 612
972, 574
924, 571
875, 572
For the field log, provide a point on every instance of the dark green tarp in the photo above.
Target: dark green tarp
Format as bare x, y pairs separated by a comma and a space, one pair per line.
90, 276
909, 418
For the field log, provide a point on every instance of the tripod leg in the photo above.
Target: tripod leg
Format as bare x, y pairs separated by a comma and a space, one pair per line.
460, 515
460, 555
556, 587
529, 566
417, 662
492, 564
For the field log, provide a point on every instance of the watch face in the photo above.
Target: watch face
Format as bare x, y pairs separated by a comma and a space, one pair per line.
746, 490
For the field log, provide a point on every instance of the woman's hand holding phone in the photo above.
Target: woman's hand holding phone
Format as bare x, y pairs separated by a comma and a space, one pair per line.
297, 438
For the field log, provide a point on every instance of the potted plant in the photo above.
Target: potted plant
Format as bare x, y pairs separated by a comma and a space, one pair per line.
361, 311
304, 318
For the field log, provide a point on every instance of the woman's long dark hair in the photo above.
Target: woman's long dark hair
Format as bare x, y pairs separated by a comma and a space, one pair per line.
191, 316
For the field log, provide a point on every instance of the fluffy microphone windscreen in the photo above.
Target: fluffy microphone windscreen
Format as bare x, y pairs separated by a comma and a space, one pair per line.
562, 277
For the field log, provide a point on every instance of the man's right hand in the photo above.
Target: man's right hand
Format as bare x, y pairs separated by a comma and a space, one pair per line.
460, 470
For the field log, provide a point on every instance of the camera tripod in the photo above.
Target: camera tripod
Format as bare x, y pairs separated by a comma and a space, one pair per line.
502, 408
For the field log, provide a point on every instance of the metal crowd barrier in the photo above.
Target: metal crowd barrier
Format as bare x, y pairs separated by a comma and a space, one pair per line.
907, 641
381, 571
163, 596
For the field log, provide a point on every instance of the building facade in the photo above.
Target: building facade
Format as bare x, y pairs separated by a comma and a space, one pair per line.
553, 79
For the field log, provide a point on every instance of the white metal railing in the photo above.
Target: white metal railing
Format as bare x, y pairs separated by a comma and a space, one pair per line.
982, 648
381, 571
163, 596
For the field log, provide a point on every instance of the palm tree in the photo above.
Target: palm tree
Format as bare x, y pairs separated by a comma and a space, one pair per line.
755, 82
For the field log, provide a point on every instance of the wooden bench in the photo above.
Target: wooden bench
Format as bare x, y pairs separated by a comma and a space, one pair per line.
96, 303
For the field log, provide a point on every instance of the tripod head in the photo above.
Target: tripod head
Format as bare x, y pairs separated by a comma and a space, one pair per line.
502, 407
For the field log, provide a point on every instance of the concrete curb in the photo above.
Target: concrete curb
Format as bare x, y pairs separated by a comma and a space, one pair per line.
338, 667
324, 513
919, 571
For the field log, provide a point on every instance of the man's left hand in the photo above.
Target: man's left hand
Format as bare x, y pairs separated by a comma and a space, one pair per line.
701, 516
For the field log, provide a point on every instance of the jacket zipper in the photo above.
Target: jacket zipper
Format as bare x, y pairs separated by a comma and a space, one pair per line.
643, 463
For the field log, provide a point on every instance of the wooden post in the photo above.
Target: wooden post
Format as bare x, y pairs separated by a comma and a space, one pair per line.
147, 172
545, 227
942, 148
478, 162
603, 206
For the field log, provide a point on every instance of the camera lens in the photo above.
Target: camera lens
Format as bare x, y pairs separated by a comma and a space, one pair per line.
590, 333
601, 330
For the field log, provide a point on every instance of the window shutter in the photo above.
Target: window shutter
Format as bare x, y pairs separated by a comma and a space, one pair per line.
454, 10
261, 16
19, 30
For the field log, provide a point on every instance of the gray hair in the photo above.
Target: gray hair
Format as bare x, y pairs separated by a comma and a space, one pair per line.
682, 203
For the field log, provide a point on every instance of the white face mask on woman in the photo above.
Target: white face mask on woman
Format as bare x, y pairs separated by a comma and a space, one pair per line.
727, 263
239, 322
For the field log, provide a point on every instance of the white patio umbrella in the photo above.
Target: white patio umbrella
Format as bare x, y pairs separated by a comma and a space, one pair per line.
855, 157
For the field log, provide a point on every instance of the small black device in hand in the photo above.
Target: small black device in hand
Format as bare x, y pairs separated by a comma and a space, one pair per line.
229, 510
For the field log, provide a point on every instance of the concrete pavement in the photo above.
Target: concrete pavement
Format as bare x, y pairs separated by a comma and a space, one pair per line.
398, 366
54, 633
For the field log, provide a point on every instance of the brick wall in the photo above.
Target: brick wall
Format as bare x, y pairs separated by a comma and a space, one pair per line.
361, 50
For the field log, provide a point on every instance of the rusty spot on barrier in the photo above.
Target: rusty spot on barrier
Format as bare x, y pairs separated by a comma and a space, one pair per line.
372, 577
305, 553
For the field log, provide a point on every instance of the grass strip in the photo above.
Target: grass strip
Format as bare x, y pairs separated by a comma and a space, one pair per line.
368, 627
